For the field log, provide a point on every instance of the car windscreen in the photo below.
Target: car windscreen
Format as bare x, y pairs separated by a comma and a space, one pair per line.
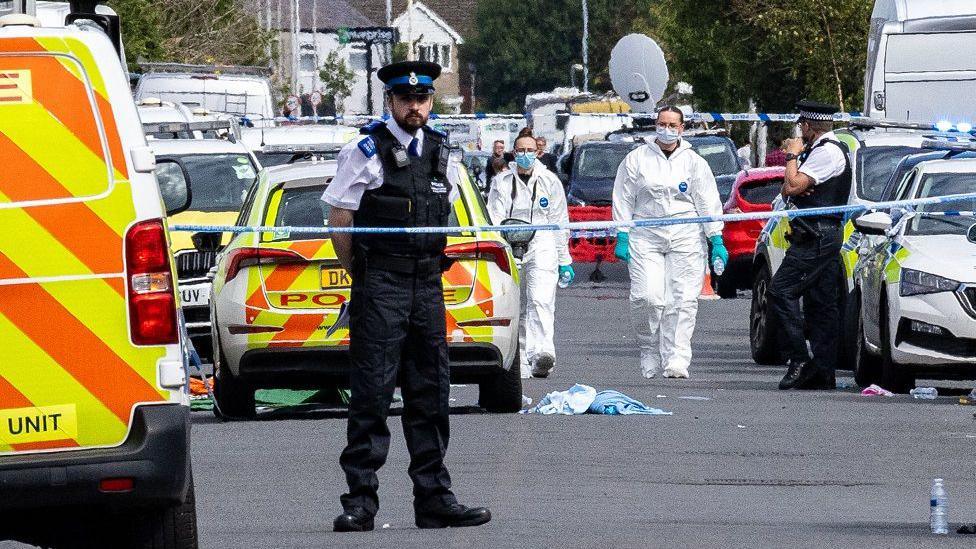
875, 165
720, 156
599, 162
218, 182
932, 218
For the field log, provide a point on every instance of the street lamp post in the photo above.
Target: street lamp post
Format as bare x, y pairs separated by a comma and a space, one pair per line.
586, 39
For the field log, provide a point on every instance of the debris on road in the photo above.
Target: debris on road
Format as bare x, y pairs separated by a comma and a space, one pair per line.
582, 399
876, 390
699, 398
924, 393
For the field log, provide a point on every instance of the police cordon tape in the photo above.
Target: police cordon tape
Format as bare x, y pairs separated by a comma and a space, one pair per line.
693, 117
591, 228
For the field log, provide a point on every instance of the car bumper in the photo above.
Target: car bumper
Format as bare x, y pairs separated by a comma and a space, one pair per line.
297, 368
155, 456
917, 345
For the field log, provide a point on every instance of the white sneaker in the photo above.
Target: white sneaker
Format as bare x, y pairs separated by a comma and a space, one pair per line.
676, 374
543, 364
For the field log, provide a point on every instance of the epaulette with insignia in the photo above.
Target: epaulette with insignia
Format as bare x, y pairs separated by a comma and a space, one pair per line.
368, 147
371, 127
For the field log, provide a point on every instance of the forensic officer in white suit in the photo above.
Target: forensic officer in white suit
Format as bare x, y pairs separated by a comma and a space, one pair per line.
531, 193
665, 178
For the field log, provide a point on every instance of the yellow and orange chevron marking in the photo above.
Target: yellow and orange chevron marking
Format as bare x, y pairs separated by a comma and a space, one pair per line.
63, 314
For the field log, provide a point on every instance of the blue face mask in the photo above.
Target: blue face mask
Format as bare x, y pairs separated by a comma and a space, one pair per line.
525, 160
667, 135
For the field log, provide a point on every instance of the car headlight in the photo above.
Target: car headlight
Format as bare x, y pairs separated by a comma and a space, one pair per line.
917, 283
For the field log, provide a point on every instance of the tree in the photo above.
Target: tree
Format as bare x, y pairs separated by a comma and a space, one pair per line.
528, 46
224, 32
337, 78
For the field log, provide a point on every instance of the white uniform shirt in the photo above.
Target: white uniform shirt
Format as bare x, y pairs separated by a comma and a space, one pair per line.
357, 173
824, 162
549, 206
651, 185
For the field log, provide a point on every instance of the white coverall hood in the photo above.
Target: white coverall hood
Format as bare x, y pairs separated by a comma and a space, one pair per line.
547, 251
667, 264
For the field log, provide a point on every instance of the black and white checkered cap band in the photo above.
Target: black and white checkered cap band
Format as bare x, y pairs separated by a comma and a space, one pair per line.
816, 116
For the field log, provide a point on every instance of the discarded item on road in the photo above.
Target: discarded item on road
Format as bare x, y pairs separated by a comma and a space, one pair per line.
526, 401
844, 384
968, 529
701, 398
939, 508
876, 390
613, 403
924, 393
582, 399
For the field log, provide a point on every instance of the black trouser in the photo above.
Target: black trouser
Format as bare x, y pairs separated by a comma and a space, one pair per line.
811, 270
397, 334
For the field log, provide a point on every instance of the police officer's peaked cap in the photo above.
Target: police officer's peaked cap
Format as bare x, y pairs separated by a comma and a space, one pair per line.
410, 77
812, 110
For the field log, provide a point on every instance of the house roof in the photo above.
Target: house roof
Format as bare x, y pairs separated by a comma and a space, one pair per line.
328, 14
459, 14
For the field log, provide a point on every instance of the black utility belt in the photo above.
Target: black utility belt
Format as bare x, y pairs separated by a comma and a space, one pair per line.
403, 264
807, 229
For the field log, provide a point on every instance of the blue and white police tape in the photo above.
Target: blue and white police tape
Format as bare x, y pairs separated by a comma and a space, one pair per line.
604, 227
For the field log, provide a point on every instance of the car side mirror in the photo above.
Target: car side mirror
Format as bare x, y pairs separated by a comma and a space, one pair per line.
174, 186
874, 223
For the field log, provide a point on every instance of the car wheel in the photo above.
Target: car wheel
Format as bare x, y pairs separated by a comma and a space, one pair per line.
233, 398
867, 367
726, 287
762, 332
893, 376
172, 527
502, 392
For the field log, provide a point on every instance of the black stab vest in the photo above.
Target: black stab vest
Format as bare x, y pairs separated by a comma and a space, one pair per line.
407, 198
833, 192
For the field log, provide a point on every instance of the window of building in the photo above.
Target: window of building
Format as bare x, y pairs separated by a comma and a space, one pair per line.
306, 61
358, 59
436, 53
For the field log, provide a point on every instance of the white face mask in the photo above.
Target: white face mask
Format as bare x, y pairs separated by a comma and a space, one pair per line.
667, 136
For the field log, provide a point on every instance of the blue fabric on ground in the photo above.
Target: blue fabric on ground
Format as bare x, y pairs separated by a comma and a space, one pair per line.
616, 403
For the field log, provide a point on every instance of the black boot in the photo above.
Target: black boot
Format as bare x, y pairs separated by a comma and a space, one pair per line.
452, 516
815, 378
354, 520
792, 374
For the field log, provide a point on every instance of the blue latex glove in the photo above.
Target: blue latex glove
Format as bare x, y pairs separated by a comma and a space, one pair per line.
567, 269
718, 249
622, 250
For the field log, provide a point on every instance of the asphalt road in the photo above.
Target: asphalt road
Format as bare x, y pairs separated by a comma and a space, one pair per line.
751, 466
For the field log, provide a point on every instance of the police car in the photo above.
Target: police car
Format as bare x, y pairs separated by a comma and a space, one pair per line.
285, 144
220, 173
915, 283
875, 149
279, 297
94, 414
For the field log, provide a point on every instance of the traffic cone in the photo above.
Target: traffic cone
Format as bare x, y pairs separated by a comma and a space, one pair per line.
707, 292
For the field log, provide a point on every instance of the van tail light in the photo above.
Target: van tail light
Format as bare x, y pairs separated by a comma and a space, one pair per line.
152, 298
249, 257
489, 251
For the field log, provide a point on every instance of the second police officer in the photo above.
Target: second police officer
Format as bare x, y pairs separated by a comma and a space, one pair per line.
400, 174
818, 174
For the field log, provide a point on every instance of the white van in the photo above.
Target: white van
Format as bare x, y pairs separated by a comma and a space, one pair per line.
921, 65
233, 90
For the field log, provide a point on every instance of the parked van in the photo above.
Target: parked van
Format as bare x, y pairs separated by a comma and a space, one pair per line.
94, 412
243, 91
920, 64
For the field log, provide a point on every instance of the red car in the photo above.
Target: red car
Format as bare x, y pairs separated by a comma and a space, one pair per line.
753, 191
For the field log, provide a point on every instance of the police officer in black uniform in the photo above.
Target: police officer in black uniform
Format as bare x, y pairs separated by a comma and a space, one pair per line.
400, 174
818, 174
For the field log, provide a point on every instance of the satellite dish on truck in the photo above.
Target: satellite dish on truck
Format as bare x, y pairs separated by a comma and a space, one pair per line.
638, 72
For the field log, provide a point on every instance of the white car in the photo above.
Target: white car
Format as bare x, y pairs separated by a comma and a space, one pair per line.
278, 299
916, 283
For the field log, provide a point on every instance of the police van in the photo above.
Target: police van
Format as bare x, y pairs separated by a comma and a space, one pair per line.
94, 413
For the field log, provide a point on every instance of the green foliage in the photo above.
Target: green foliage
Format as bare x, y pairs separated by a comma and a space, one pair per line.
337, 78
224, 32
400, 51
772, 51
